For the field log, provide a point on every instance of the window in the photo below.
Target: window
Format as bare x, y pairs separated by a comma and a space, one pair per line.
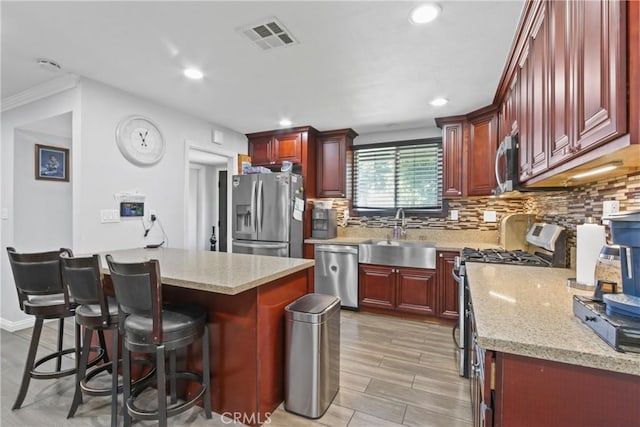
401, 175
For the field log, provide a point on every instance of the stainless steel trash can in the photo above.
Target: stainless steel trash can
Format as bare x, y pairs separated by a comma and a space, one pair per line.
312, 354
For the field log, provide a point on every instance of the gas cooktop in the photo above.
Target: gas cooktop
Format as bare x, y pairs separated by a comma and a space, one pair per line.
499, 256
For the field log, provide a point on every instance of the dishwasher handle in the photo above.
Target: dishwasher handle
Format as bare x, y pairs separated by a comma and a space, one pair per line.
337, 249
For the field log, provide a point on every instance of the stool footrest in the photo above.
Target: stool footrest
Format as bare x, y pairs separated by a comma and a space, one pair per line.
172, 410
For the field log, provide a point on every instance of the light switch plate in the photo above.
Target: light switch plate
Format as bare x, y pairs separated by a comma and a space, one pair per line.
5, 213
453, 215
109, 215
490, 216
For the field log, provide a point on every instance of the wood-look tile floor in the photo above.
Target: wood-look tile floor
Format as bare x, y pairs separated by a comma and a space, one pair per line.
393, 372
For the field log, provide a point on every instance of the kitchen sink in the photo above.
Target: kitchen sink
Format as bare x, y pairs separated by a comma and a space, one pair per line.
398, 253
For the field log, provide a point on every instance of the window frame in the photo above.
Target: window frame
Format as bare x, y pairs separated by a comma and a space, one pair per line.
417, 212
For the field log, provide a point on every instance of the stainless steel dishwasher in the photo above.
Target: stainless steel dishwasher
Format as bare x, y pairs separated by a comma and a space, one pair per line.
336, 273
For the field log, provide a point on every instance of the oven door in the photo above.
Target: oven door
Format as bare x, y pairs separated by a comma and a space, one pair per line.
458, 274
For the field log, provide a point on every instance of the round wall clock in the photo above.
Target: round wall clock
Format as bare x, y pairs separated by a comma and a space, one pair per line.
140, 140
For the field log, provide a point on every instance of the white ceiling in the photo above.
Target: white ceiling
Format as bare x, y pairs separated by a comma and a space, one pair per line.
357, 64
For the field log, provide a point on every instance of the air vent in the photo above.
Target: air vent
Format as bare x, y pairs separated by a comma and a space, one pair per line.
268, 34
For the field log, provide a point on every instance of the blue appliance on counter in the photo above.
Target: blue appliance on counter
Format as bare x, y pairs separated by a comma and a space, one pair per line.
625, 231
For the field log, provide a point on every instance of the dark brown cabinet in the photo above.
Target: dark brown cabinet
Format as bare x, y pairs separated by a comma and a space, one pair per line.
483, 143
521, 390
377, 286
447, 287
272, 150
414, 291
469, 145
402, 289
571, 83
334, 157
452, 157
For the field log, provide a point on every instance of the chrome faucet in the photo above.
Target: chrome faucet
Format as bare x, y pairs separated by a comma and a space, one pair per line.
403, 226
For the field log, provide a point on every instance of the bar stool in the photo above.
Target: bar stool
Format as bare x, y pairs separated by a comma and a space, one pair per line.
38, 280
148, 327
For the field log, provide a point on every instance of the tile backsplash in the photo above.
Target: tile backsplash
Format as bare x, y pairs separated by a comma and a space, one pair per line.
568, 208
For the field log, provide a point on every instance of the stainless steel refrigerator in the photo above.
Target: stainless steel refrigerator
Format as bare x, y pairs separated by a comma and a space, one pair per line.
267, 214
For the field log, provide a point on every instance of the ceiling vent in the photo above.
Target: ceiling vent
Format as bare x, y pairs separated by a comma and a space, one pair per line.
268, 34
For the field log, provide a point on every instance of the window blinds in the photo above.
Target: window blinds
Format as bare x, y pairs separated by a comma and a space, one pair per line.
391, 177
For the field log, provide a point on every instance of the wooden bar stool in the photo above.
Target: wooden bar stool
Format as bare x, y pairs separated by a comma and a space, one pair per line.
38, 280
148, 327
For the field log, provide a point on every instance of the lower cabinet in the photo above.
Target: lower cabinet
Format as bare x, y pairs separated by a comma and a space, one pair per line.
418, 291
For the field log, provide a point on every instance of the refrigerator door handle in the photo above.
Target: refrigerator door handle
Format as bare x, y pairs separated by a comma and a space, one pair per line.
261, 245
260, 203
253, 206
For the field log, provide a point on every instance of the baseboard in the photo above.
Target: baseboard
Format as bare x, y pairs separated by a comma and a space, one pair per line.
10, 326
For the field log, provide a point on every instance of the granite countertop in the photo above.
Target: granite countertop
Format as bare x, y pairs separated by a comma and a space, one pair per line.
220, 272
529, 311
440, 245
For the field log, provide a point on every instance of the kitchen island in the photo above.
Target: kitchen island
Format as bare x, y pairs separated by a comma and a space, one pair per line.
542, 366
245, 296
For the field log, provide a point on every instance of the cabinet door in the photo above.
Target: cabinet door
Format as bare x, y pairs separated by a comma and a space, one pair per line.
452, 159
483, 144
416, 290
538, 111
600, 71
260, 151
333, 156
448, 303
524, 106
560, 115
377, 286
287, 147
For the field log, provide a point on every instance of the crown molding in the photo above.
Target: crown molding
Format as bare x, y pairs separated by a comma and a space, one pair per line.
42, 90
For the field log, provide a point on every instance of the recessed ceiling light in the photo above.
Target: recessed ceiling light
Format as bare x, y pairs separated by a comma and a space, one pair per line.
439, 102
193, 73
424, 13
285, 122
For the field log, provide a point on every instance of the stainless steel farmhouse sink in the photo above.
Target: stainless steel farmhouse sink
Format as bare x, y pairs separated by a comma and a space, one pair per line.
398, 253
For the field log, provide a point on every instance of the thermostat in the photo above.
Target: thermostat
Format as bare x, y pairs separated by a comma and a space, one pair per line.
129, 209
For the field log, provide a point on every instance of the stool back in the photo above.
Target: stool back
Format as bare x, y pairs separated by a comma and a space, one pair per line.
37, 273
138, 290
82, 277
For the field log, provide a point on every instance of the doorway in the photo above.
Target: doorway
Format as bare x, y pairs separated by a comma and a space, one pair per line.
207, 193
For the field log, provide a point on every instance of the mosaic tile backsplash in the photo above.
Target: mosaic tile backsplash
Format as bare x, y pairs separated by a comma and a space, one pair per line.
568, 208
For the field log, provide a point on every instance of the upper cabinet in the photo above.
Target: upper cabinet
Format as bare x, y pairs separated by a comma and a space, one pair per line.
469, 145
566, 85
296, 145
481, 153
273, 149
334, 156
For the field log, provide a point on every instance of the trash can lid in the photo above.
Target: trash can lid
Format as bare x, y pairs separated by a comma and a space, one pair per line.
312, 308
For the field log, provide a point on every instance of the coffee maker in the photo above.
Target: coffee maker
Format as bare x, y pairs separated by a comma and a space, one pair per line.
324, 223
625, 232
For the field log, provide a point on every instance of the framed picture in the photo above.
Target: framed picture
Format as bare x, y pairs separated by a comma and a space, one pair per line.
52, 163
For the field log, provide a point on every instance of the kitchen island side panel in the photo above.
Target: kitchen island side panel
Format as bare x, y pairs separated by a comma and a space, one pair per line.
538, 392
246, 345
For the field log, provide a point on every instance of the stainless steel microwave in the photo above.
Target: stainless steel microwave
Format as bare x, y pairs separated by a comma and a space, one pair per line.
506, 165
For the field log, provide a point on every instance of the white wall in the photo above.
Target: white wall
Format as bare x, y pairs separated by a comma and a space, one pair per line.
99, 170
105, 171
43, 208
64, 102
398, 135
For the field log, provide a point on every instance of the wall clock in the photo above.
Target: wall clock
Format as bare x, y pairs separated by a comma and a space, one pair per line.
140, 140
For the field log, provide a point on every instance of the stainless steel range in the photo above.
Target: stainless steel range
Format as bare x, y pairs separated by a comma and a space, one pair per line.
547, 248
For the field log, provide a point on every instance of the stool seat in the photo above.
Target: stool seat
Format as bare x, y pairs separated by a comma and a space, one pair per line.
181, 325
92, 315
